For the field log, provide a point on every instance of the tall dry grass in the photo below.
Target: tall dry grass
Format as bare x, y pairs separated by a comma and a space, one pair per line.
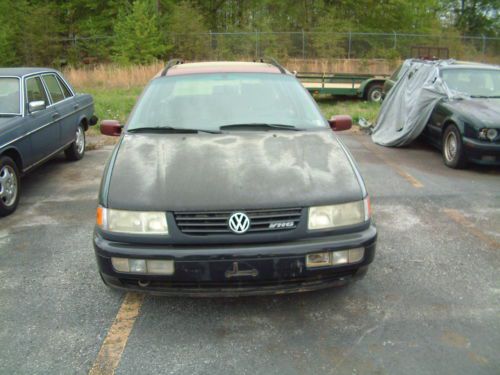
114, 76
355, 66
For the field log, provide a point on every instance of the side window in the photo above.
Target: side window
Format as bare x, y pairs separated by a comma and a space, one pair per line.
65, 89
54, 89
35, 90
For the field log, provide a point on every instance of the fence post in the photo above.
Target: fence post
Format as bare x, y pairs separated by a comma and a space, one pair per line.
349, 47
395, 40
256, 44
303, 45
484, 46
210, 54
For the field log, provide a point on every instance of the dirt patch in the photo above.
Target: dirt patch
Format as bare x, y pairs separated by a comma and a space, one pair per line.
98, 141
479, 359
455, 339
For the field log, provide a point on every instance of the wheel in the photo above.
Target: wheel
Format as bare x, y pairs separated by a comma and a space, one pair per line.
453, 148
77, 149
374, 93
10, 184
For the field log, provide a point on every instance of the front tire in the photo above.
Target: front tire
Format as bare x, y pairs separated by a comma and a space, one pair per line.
77, 149
453, 148
10, 184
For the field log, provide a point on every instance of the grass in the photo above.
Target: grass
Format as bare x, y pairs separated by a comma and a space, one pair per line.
116, 104
112, 104
355, 108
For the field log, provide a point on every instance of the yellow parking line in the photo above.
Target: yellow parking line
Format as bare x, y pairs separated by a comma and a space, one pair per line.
457, 217
408, 177
112, 348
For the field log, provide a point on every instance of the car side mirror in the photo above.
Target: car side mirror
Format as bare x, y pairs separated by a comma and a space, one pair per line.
36, 105
111, 128
340, 122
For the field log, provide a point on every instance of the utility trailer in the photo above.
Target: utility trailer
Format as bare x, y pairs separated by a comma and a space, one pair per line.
366, 86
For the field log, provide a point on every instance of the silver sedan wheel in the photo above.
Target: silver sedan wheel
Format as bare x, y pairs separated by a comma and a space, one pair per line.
450, 146
8, 185
80, 140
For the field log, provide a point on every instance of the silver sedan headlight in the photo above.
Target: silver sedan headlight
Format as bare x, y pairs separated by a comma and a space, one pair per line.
133, 222
339, 215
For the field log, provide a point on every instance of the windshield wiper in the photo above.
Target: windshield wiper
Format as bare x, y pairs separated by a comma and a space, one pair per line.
260, 125
170, 129
485, 96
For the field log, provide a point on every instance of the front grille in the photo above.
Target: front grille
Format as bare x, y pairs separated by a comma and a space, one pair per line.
216, 222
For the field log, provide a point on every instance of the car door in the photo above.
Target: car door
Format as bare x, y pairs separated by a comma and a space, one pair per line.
70, 122
41, 125
64, 107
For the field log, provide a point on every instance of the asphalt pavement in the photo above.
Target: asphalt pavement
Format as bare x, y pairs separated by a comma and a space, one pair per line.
430, 303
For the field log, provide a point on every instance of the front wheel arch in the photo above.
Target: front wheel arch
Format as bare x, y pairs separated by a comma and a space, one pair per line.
14, 155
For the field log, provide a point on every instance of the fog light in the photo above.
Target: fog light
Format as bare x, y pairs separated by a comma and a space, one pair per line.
356, 255
137, 265
120, 264
318, 260
160, 267
150, 266
340, 257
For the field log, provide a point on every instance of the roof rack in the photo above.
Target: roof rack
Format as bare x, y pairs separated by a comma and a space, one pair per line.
272, 61
170, 64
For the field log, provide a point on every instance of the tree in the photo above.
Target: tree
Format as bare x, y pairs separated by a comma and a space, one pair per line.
137, 38
478, 17
188, 32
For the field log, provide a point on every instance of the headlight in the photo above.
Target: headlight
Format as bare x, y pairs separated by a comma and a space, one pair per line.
486, 133
339, 215
135, 222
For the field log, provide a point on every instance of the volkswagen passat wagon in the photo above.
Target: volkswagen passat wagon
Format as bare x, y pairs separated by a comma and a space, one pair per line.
227, 180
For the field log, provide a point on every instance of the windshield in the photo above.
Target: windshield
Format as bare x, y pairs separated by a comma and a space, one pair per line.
474, 82
209, 101
9, 96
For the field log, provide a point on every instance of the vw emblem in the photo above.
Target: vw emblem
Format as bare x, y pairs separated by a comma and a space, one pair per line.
239, 222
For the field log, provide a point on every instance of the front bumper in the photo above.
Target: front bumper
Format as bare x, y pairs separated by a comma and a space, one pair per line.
203, 270
486, 153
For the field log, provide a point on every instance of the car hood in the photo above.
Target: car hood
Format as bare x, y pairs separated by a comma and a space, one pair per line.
238, 170
478, 112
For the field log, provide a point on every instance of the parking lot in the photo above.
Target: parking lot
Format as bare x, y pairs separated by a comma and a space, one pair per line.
430, 303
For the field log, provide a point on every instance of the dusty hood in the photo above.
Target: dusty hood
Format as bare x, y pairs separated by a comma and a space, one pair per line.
478, 112
239, 170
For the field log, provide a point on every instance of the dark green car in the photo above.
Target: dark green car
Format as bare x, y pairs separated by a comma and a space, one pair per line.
465, 128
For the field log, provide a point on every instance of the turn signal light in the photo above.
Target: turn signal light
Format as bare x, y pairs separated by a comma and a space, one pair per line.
99, 217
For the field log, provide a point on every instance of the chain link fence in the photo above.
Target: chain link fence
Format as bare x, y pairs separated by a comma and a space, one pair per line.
293, 45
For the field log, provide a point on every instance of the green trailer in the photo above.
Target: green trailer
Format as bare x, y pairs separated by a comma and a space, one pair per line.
365, 86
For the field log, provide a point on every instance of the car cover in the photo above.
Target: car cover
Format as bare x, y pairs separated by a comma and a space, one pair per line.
409, 104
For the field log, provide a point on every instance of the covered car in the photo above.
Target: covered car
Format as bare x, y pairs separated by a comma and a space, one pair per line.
454, 105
